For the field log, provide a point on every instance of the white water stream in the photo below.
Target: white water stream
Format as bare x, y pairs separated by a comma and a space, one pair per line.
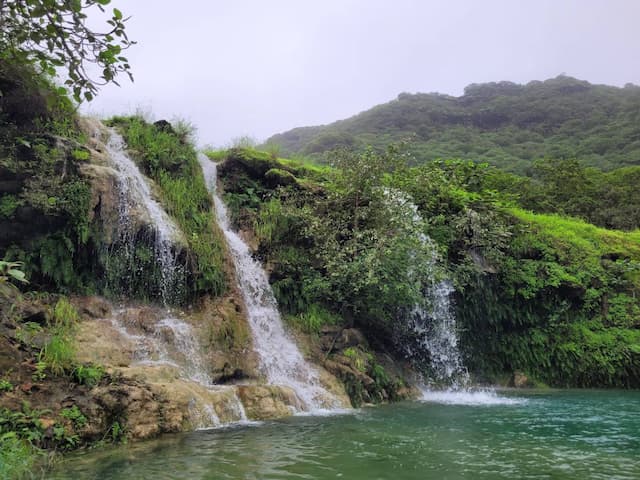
280, 359
134, 192
435, 323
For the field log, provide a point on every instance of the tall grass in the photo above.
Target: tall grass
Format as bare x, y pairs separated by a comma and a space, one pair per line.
59, 352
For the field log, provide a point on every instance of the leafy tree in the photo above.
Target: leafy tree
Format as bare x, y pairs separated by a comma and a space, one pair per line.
359, 176
50, 34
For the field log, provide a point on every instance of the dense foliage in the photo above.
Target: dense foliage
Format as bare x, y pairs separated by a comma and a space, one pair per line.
551, 296
607, 199
44, 200
342, 246
505, 124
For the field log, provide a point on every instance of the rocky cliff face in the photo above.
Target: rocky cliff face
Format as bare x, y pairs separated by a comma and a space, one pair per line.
147, 384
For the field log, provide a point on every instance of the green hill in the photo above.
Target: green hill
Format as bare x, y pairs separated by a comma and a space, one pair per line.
505, 124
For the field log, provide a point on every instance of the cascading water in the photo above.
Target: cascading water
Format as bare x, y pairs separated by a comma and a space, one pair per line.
134, 192
435, 324
431, 322
170, 341
281, 361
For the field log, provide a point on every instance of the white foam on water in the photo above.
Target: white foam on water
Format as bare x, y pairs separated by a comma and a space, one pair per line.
469, 397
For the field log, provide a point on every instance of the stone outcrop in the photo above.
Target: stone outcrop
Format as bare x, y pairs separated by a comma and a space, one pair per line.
157, 396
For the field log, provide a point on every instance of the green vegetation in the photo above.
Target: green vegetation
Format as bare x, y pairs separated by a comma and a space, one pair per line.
10, 274
44, 200
608, 199
89, 375
341, 247
6, 386
17, 457
49, 35
549, 295
366, 363
505, 124
58, 354
563, 305
166, 155
313, 318
25, 433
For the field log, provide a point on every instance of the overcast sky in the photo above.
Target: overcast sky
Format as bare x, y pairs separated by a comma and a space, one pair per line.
241, 67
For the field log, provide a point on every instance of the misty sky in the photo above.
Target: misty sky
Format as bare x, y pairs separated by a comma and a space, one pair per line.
257, 68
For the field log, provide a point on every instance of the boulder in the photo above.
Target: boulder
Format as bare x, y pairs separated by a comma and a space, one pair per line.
334, 339
520, 380
92, 307
262, 402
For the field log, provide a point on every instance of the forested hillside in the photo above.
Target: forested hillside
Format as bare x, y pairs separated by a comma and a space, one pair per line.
504, 124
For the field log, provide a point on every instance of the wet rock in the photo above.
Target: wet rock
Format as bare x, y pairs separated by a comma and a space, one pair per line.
335, 339
164, 126
132, 406
92, 307
104, 203
99, 342
34, 312
262, 402
143, 318
520, 380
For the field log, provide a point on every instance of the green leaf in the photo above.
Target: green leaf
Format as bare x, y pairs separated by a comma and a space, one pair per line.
117, 14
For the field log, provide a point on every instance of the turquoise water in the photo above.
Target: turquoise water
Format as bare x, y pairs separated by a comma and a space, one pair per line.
536, 435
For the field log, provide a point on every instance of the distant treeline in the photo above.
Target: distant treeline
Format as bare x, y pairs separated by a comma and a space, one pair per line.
504, 124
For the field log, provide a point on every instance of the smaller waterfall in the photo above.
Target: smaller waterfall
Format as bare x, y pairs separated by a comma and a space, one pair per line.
185, 345
134, 192
161, 339
166, 341
435, 325
280, 359
431, 322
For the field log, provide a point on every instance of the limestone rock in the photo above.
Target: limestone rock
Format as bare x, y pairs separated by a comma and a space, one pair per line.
520, 380
262, 402
92, 307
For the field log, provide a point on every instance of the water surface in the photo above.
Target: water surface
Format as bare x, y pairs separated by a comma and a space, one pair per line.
533, 435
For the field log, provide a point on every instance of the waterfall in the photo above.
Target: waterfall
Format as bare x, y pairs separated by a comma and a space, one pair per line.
434, 324
164, 341
431, 322
280, 359
135, 193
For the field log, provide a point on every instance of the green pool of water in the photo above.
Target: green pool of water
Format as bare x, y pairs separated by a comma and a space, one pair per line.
537, 435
